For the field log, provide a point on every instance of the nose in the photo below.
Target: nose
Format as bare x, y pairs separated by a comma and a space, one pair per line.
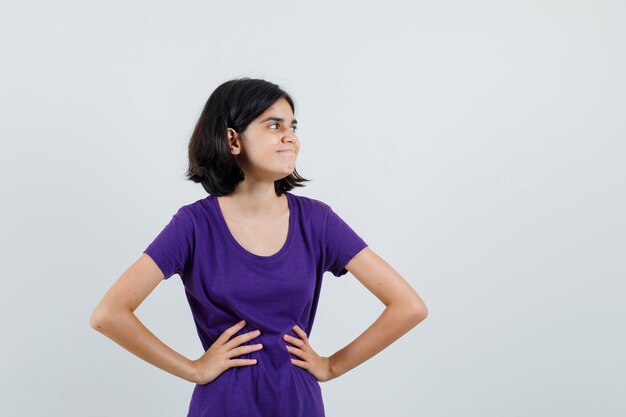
291, 138
291, 134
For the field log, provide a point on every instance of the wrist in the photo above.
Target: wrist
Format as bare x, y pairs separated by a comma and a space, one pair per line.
193, 374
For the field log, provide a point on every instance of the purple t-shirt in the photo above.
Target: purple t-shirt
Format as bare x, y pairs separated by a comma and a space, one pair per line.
225, 283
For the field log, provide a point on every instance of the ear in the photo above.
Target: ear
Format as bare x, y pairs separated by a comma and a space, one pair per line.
233, 139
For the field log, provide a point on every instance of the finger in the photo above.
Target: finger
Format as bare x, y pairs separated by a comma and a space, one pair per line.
298, 352
241, 350
236, 327
241, 362
242, 338
301, 364
228, 333
300, 332
294, 341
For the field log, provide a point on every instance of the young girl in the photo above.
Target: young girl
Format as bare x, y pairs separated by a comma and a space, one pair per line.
251, 256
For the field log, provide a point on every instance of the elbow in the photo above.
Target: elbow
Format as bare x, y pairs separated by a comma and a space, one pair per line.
413, 311
107, 313
419, 312
101, 317
424, 314
97, 320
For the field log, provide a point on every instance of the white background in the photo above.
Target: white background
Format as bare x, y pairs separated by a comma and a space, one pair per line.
478, 147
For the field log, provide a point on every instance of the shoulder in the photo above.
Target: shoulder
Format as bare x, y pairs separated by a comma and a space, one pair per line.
194, 212
311, 205
309, 202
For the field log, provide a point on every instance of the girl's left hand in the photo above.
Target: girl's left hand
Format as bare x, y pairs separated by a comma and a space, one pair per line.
318, 366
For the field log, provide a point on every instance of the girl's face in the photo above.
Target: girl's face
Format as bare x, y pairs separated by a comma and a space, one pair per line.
268, 148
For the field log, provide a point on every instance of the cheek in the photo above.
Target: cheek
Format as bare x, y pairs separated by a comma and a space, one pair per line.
261, 155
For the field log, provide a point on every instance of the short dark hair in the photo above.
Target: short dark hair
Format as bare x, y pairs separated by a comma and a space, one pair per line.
235, 104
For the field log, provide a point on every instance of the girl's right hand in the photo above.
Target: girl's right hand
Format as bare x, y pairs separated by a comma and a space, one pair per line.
217, 358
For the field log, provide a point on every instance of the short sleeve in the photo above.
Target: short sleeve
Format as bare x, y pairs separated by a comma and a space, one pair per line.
341, 244
172, 249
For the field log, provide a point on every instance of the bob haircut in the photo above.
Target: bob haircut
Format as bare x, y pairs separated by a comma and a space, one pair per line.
235, 104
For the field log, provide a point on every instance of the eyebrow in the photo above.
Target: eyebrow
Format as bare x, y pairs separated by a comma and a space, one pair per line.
277, 119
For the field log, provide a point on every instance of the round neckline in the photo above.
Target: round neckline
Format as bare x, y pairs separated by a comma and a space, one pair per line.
244, 251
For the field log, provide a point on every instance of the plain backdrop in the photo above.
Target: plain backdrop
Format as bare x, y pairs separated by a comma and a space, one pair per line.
478, 147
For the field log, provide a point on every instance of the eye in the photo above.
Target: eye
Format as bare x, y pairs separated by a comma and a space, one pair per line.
295, 128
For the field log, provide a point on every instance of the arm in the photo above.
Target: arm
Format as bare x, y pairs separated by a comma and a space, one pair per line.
114, 317
404, 310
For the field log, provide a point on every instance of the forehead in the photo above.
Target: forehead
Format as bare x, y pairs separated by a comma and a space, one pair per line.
279, 111
280, 106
